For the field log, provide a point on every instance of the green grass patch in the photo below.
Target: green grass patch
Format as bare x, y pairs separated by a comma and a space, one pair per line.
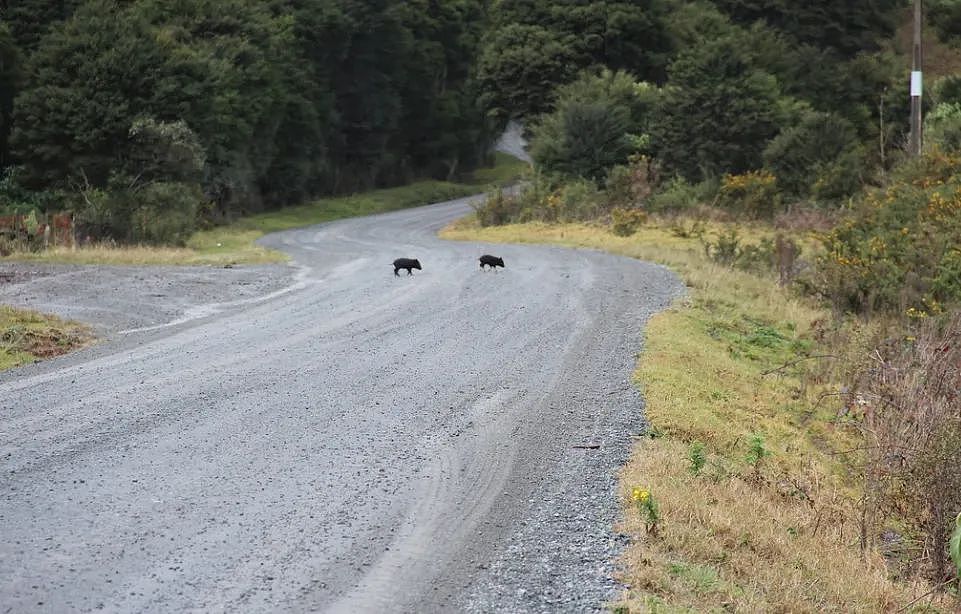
27, 336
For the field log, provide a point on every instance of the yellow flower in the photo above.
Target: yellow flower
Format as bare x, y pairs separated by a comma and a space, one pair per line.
641, 495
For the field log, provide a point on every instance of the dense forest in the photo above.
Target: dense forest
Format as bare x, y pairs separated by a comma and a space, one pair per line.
170, 109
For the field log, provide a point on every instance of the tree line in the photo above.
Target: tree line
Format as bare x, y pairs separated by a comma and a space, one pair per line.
158, 108
137, 112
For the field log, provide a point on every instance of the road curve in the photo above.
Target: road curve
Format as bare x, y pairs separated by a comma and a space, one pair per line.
353, 442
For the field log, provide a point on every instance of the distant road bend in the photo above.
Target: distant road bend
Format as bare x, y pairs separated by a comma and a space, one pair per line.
361, 442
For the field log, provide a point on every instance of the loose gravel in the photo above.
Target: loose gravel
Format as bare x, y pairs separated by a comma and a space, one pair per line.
326, 436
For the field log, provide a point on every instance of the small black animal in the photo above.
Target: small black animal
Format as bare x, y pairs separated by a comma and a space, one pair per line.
406, 263
491, 261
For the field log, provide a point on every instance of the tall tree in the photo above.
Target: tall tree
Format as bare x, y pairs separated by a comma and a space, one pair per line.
716, 113
9, 78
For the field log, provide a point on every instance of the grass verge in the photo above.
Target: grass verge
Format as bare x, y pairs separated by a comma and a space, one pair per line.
236, 243
27, 336
740, 499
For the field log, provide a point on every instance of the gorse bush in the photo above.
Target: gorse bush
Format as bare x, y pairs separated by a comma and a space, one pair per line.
899, 251
625, 222
753, 194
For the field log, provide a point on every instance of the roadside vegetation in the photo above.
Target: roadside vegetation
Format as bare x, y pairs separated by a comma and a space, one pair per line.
803, 397
27, 336
235, 243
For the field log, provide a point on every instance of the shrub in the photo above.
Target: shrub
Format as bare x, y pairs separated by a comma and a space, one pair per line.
163, 213
498, 208
631, 185
779, 255
947, 90
574, 201
679, 195
598, 122
625, 222
899, 250
817, 157
942, 127
753, 194
716, 112
906, 405
155, 213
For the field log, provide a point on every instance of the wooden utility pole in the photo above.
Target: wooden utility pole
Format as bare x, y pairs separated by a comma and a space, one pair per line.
916, 140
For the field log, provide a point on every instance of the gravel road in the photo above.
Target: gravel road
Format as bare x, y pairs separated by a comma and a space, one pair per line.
326, 436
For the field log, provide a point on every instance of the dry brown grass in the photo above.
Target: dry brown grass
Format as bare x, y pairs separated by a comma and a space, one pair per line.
26, 336
728, 543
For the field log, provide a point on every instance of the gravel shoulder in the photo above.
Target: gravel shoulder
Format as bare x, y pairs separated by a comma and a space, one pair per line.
326, 436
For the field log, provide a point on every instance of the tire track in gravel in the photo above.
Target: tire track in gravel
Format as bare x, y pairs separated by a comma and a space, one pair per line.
355, 442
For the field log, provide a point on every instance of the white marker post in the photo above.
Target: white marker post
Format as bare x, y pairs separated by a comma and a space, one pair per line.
916, 84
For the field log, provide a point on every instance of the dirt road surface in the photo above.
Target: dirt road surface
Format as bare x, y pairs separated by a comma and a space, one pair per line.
327, 436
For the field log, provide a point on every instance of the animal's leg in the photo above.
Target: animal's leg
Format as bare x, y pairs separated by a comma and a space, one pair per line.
410, 272
396, 274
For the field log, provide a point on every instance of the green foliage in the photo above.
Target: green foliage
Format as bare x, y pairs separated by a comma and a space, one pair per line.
697, 457
520, 66
162, 212
679, 195
286, 99
535, 46
716, 113
164, 151
544, 201
947, 90
16, 199
756, 451
844, 28
898, 251
29, 20
633, 184
766, 256
498, 208
10, 76
942, 126
945, 16
598, 122
813, 157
